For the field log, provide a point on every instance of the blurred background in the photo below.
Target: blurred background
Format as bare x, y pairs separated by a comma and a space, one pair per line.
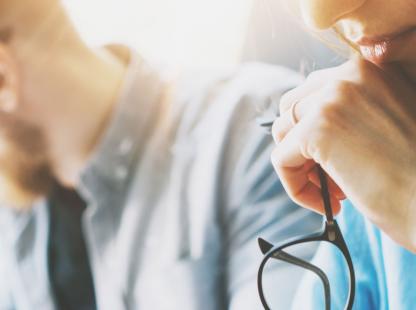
203, 32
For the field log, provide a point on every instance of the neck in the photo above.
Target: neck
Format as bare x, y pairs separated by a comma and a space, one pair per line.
72, 101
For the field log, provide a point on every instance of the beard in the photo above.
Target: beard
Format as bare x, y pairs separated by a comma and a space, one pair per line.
25, 170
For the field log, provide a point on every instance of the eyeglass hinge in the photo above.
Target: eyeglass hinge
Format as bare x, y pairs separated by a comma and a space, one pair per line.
331, 231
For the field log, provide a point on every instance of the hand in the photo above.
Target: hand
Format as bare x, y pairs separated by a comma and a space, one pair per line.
358, 121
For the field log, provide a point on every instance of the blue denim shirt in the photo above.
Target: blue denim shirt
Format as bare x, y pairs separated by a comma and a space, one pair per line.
384, 270
177, 193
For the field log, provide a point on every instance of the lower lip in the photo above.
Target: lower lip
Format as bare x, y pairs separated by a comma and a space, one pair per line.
383, 51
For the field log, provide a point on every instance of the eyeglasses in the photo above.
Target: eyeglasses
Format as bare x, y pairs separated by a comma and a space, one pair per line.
283, 252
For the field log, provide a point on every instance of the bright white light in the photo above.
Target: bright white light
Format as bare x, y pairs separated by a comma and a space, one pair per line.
183, 32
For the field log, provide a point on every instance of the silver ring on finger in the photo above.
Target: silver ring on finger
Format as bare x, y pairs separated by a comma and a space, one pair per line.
292, 112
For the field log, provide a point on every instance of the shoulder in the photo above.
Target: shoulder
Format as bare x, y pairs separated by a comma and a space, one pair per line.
223, 101
251, 84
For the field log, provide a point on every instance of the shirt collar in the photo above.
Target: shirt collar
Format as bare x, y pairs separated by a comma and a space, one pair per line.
110, 166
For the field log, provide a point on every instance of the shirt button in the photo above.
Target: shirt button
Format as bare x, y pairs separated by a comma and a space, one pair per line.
125, 146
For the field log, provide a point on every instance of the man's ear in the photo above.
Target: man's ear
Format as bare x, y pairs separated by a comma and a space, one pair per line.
9, 90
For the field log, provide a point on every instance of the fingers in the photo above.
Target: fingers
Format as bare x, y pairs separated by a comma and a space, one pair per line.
304, 192
284, 123
311, 198
297, 170
281, 127
299, 99
333, 187
314, 82
293, 179
289, 152
303, 144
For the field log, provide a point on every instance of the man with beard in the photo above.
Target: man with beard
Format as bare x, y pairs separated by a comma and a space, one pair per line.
126, 188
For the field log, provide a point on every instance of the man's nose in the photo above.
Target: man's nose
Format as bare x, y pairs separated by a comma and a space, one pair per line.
322, 14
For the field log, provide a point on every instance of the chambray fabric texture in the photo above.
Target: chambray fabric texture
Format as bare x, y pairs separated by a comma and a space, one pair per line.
177, 192
384, 270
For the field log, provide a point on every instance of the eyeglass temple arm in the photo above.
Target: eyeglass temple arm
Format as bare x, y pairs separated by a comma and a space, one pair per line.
325, 195
283, 256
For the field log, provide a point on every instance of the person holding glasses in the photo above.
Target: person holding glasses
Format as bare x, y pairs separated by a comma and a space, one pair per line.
356, 122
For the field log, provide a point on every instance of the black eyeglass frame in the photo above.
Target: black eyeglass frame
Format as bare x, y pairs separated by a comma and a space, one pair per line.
331, 233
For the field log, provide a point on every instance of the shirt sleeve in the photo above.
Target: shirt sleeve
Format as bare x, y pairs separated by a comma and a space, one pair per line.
256, 204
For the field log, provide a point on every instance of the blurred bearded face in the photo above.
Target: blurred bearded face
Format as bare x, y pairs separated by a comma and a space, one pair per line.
25, 174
